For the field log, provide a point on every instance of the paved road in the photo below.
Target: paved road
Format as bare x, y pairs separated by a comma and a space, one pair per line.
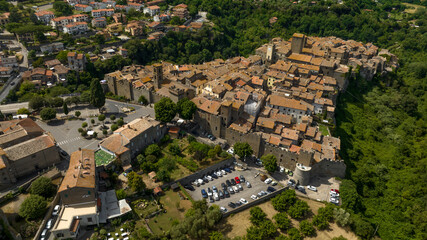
9, 85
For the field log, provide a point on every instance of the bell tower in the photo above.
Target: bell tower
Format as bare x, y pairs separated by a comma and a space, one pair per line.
158, 75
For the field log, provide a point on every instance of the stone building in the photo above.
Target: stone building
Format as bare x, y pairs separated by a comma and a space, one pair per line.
25, 149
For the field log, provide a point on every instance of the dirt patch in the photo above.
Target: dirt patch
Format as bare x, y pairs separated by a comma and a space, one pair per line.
149, 183
13, 207
236, 224
412, 8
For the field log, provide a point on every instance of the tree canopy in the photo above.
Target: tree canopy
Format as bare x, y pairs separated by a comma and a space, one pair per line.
48, 113
269, 162
165, 110
186, 108
33, 207
97, 96
43, 186
243, 149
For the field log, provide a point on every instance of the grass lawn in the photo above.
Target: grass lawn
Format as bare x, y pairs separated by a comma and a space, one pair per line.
175, 210
102, 157
323, 129
412, 8
144, 206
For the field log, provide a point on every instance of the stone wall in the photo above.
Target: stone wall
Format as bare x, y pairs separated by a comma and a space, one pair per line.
253, 138
329, 168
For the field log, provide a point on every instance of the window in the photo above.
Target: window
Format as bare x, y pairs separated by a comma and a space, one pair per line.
66, 195
89, 219
88, 192
59, 235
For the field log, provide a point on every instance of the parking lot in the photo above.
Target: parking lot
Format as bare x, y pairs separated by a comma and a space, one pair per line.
250, 175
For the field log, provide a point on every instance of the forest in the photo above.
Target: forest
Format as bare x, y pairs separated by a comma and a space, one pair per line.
381, 123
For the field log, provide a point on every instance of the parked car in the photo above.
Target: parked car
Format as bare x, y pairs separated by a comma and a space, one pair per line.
312, 188
56, 210
271, 189
216, 196
236, 189
204, 194
335, 190
219, 173
223, 209
230, 189
268, 180
291, 183
237, 180
214, 175
189, 187
334, 200
209, 178
44, 233
242, 178
228, 183
240, 187
233, 182
221, 195
258, 163
238, 204
209, 192
214, 189
248, 184
260, 194
230, 151
205, 179
223, 186
242, 200
254, 197
273, 183
211, 200
232, 204
196, 183
301, 189
227, 170
223, 172
212, 138
49, 224
226, 193
201, 182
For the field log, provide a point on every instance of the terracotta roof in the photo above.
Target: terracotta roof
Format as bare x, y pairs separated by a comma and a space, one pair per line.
300, 57
81, 170
290, 134
265, 123
42, 13
310, 145
115, 143
276, 100
302, 127
295, 148
211, 107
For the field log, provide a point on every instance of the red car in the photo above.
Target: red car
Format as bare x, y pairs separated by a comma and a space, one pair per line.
237, 180
335, 190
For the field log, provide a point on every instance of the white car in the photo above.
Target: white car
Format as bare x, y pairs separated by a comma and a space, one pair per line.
334, 194
56, 210
223, 172
216, 196
49, 224
240, 187
273, 183
242, 200
219, 174
201, 182
209, 178
254, 197
230, 189
334, 200
312, 188
248, 184
230, 151
268, 180
236, 189
282, 169
223, 209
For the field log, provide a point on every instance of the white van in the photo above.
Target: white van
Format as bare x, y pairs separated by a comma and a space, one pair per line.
44, 233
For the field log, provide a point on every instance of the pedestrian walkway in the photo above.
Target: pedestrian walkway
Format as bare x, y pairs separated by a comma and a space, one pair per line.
69, 141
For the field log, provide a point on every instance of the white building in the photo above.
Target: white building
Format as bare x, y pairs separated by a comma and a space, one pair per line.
76, 28
45, 16
102, 13
288, 106
152, 10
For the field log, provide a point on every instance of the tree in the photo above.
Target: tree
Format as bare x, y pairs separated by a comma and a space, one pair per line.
84, 124
257, 216
282, 221
164, 175
114, 127
101, 118
153, 149
97, 96
299, 210
135, 182
341, 217
269, 162
186, 108
48, 114
92, 121
306, 228
62, 8
43, 186
112, 117
294, 234
120, 122
33, 207
175, 149
77, 114
284, 200
142, 100
36, 103
65, 108
167, 164
165, 110
215, 235
23, 111
243, 149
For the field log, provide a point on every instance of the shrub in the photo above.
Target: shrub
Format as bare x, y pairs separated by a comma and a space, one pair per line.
43, 186
33, 207
299, 210
307, 228
114, 127
153, 149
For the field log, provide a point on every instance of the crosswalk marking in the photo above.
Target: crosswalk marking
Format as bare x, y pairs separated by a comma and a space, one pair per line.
69, 141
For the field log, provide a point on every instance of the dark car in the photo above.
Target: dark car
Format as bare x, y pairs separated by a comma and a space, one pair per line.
223, 186
228, 183
226, 193
214, 175
232, 205
238, 204
271, 189
227, 170
233, 182
221, 195
189, 187
211, 200
204, 194
242, 178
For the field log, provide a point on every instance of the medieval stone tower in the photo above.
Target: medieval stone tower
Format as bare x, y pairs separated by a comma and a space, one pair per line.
298, 42
158, 75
